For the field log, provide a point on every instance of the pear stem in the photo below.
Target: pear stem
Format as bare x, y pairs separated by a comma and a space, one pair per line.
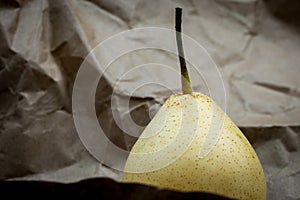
185, 80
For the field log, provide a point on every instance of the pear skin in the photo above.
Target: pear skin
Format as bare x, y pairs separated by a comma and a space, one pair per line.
168, 153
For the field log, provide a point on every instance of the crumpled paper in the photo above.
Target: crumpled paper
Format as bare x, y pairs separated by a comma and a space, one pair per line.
43, 43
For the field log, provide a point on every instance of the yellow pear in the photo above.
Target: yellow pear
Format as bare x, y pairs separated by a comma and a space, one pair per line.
192, 145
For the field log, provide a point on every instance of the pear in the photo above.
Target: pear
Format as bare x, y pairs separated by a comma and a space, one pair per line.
192, 145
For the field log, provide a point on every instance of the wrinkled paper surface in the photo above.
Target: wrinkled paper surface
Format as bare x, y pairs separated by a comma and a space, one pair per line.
254, 43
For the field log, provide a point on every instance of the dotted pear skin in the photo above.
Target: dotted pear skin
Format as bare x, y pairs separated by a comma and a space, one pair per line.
230, 167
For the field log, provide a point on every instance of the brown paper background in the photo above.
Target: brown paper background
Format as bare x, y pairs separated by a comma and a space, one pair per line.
255, 43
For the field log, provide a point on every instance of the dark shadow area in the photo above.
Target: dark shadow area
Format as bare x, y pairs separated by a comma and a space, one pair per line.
286, 10
98, 188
